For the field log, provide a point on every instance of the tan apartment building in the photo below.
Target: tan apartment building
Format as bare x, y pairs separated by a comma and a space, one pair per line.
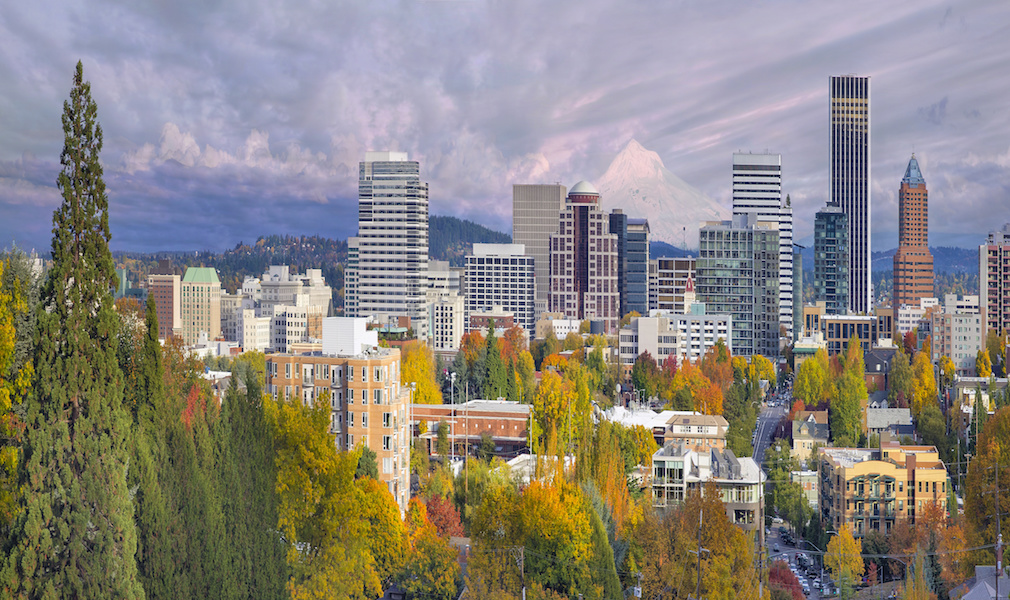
201, 304
696, 432
368, 405
870, 489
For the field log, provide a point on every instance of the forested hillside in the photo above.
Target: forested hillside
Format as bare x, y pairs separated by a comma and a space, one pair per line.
452, 239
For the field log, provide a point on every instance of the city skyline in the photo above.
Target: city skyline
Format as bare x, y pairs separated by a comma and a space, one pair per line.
223, 124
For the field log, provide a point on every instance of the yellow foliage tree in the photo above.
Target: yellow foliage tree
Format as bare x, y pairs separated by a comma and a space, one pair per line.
924, 383
844, 561
431, 569
15, 381
765, 369
417, 365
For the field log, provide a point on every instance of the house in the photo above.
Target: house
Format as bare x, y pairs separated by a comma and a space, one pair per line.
877, 361
896, 420
697, 432
810, 428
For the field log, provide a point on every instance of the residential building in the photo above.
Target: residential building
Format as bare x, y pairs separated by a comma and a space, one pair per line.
502, 275
388, 259
738, 275
536, 209
584, 261
838, 328
253, 331
368, 405
831, 259
280, 286
167, 292
696, 432
757, 188
994, 280
798, 293
676, 470
958, 332
849, 185
200, 293
619, 227
810, 430
671, 282
877, 364
807, 481
896, 421
911, 316
913, 262
870, 489
506, 422
664, 334
446, 320
557, 324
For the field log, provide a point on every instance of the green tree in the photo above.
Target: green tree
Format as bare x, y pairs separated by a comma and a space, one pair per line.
367, 465
645, 375
813, 379
846, 410
902, 378
496, 376
74, 535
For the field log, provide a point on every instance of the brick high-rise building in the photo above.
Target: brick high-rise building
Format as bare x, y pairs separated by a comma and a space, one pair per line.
994, 280
583, 282
913, 263
166, 290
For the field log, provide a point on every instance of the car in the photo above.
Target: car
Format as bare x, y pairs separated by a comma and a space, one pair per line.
776, 547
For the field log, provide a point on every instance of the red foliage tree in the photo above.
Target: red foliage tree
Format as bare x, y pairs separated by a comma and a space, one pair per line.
444, 516
781, 577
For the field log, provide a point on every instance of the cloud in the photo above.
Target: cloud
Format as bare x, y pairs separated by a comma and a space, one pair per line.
230, 120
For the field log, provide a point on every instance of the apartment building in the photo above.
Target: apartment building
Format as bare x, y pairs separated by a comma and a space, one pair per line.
994, 279
669, 283
501, 275
167, 292
958, 332
696, 432
685, 336
810, 429
870, 489
200, 294
362, 382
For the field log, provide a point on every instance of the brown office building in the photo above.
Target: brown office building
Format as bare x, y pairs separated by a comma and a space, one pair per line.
913, 263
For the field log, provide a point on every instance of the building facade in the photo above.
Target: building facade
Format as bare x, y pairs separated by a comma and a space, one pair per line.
958, 332
635, 295
367, 404
757, 188
913, 262
831, 259
502, 275
166, 290
536, 209
994, 279
683, 336
200, 293
388, 259
738, 264
849, 159
583, 283
671, 282
870, 489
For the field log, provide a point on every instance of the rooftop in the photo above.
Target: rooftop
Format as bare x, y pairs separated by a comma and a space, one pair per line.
201, 275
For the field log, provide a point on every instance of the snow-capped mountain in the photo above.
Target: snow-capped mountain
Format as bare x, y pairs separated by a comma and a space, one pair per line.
638, 183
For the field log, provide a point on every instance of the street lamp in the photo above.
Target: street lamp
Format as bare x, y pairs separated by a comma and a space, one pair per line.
452, 388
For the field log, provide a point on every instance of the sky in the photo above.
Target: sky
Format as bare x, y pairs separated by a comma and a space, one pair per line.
227, 120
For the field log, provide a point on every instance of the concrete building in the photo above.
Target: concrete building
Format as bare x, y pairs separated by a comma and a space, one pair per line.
808, 481
584, 261
557, 324
838, 328
446, 320
831, 259
167, 292
502, 275
368, 405
757, 188
671, 282
635, 294
849, 185
913, 262
958, 332
910, 316
388, 260
738, 275
664, 334
870, 489
994, 280
536, 209
676, 470
200, 293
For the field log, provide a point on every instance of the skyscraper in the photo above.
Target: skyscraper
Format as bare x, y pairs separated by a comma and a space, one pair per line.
636, 267
994, 280
913, 263
849, 157
738, 275
831, 259
757, 188
388, 260
535, 211
584, 261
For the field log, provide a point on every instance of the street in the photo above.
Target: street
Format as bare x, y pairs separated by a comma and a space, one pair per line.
788, 554
768, 419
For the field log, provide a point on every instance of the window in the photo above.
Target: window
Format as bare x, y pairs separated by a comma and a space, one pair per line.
387, 420
350, 395
287, 370
377, 396
350, 372
387, 465
387, 442
364, 419
378, 373
350, 419
350, 440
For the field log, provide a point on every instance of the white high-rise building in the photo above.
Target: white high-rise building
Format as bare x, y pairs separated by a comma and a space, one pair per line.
501, 275
536, 209
388, 260
757, 188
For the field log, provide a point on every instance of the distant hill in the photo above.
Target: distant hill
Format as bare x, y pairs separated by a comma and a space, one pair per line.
452, 239
663, 250
945, 260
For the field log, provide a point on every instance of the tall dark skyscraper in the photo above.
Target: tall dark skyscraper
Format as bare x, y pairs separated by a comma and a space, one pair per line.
831, 259
849, 156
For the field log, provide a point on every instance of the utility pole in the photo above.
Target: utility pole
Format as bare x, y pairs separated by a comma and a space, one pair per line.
697, 588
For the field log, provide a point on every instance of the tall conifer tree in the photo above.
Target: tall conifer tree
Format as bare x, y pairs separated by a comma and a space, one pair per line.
75, 537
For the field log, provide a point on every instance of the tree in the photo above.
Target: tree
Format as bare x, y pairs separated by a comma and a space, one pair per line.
983, 364
645, 375
901, 378
844, 561
765, 369
812, 379
442, 445
367, 465
573, 341
417, 366
75, 535
496, 376
485, 451
924, 391
846, 410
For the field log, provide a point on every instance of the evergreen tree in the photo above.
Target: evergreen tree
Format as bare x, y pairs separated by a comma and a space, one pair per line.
75, 536
495, 384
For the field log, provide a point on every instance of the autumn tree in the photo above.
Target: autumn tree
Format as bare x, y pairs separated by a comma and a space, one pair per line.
417, 366
982, 497
813, 379
983, 364
431, 569
844, 561
924, 390
496, 372
74, 535
645, 375
902, 379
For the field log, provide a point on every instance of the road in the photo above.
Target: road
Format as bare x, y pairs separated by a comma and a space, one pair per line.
766, 423
788, 553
